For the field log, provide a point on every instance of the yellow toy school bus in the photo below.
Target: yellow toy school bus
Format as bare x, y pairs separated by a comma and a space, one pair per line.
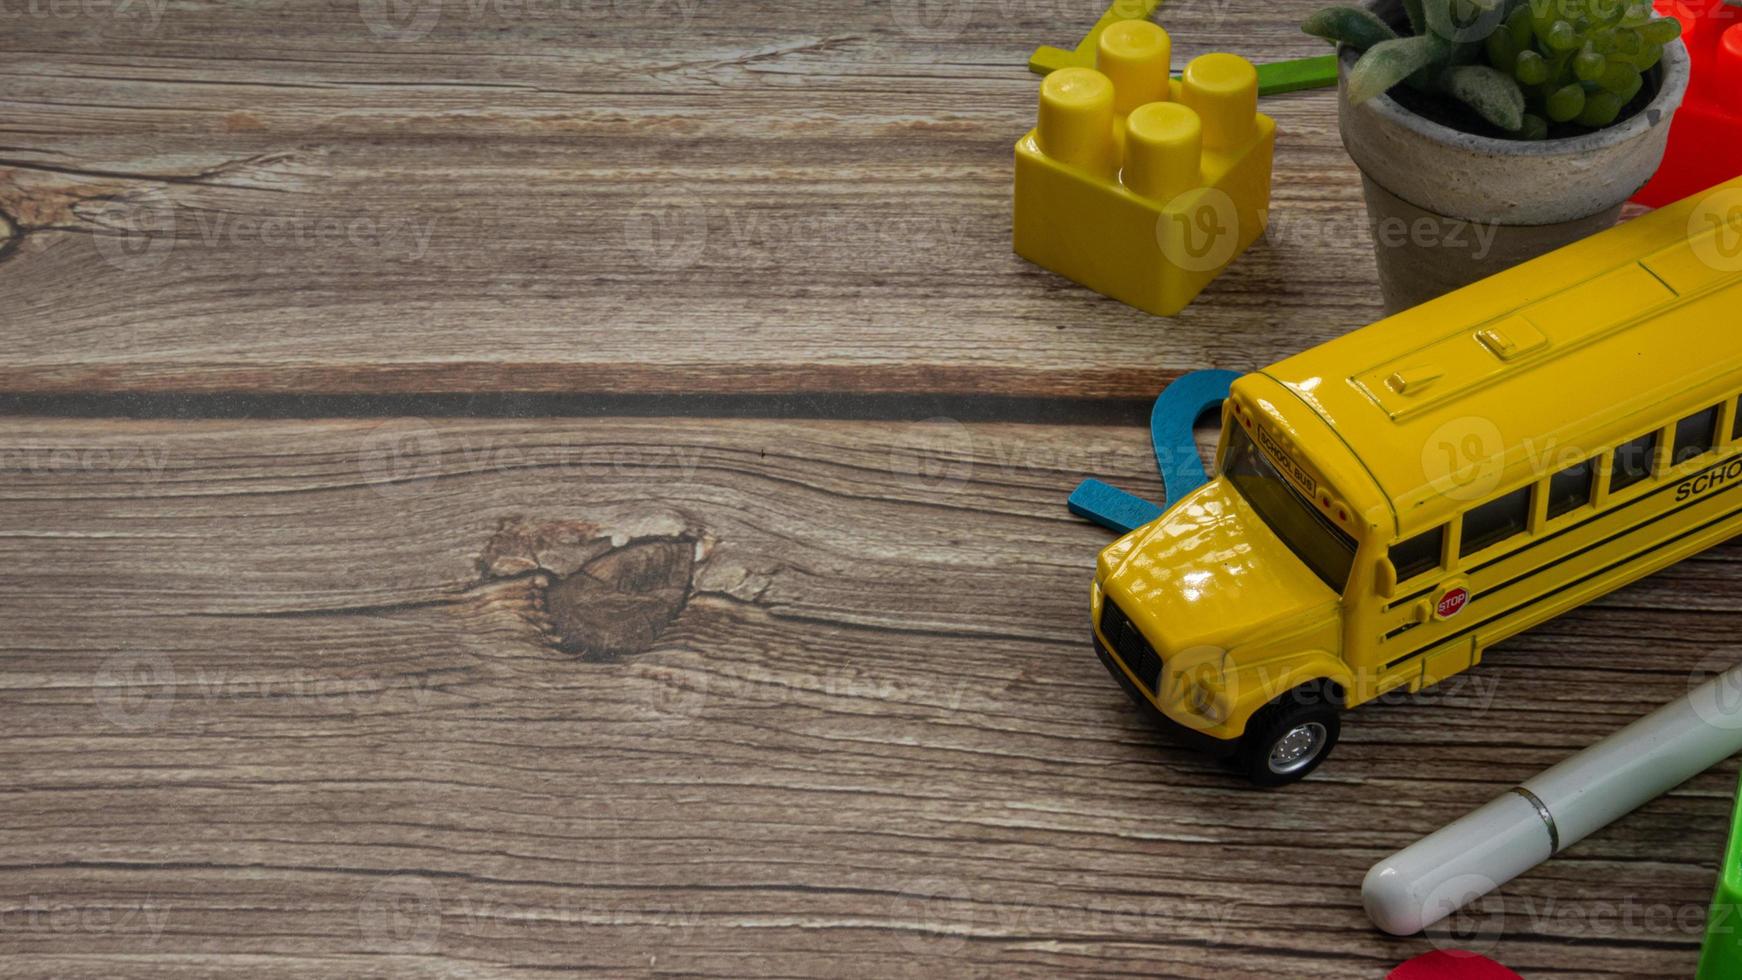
1393, 503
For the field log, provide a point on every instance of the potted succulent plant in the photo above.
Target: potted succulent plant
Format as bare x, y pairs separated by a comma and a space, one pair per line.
1491, 131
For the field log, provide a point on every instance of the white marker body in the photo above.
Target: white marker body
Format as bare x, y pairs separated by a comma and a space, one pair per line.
1431, 879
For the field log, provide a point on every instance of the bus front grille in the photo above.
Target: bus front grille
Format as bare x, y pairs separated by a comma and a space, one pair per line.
1130, 646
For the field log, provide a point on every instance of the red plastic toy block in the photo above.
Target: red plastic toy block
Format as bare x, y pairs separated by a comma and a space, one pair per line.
1705, 140
1452, 966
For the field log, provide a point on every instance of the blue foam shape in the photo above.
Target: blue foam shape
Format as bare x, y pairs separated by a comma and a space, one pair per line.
1171, 422
1112, 507
1176, 412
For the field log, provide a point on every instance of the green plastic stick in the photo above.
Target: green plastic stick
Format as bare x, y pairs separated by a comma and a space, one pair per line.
1273, 79
1722, 957
1301, 73
1047, 60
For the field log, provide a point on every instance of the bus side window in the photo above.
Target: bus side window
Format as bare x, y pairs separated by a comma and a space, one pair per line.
1696, 436
1497, 520
1571, 488
1420, 554
1633, 462
1736, 430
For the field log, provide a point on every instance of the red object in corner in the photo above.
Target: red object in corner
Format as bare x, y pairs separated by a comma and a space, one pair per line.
1705, 137
1452, 966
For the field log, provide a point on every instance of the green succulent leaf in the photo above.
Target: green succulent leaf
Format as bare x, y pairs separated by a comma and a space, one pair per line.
1566, 102
1561, 36
1438, 16
1417, 17
1501, 49
1390, 62
1601, 109
1494, 96
1467, 53
1353, 26
1661, 31
1530, 68
1518, 26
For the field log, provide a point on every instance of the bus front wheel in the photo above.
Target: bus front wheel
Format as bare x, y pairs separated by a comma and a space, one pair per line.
1291, 737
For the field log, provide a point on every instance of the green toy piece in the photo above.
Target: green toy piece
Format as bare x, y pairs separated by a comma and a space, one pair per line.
1047, 59
1275, 78
1301, 73
1722, 956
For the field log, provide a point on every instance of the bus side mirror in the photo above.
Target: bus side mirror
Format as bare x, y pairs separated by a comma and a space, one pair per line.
1387, 578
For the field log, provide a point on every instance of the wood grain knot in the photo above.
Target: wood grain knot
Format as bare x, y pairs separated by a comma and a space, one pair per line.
623, 600
600, 594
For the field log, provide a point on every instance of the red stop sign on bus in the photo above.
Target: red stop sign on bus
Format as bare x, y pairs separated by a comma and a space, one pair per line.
1453, 602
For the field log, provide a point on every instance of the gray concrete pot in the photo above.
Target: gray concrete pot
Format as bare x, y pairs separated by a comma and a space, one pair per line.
1449, 208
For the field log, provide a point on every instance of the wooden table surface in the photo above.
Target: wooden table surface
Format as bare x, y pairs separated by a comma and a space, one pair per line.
504, 487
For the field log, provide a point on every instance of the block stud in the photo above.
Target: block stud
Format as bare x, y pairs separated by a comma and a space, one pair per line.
1164, 145
1703, 22
1135, 55
1729, 71
1076, 119
1223, 90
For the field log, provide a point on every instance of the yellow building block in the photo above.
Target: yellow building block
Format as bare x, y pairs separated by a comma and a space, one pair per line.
1140, 187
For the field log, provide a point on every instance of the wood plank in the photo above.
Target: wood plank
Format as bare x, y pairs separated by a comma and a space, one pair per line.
314, 698
598, 196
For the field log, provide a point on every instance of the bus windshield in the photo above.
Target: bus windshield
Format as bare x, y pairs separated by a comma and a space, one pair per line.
1325, 548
